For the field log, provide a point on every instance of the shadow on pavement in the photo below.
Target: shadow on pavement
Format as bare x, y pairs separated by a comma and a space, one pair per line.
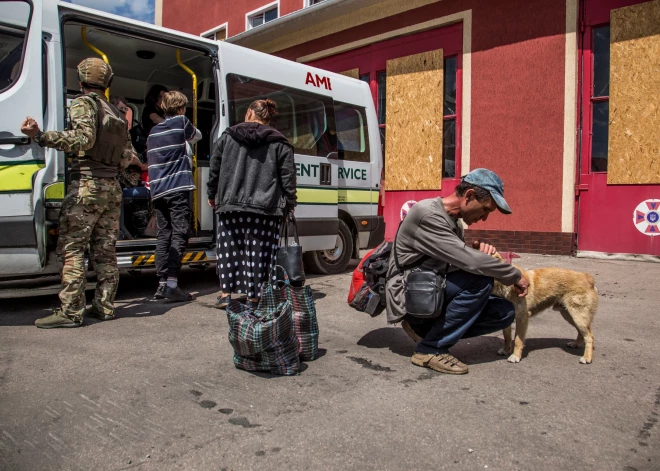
316, 294
484, 349
133, 298
472, 351
303, 367
393, 338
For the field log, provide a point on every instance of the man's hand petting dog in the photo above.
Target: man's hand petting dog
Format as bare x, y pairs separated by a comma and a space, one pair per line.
521, 287
487, 248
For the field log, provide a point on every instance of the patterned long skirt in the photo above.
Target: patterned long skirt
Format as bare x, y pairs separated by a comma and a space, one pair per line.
247, 248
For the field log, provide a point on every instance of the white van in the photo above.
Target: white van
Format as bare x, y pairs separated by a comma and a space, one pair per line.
328, 118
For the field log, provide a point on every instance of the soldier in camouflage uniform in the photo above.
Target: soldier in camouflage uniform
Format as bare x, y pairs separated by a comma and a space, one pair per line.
91, 209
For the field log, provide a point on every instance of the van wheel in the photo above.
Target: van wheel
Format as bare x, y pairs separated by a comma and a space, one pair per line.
335, 260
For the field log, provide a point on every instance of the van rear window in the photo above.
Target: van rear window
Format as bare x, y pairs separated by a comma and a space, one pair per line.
306, 119
352, 133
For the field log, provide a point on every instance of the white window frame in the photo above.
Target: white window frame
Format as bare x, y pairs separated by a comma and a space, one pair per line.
308, 3
261, 10
214, 31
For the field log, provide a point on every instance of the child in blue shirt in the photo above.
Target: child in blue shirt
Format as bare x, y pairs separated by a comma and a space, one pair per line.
170, 182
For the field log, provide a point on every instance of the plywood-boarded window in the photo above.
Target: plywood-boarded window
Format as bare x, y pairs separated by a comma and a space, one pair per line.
634, 130
353, 73
414, 121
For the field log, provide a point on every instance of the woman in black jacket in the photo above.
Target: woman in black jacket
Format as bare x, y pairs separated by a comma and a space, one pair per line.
252, 186
153, 114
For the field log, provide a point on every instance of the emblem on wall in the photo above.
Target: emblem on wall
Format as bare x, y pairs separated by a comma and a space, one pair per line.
406, 207
646, 217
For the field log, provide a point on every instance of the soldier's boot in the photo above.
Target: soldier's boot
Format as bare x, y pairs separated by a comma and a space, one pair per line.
94, 313
57, 319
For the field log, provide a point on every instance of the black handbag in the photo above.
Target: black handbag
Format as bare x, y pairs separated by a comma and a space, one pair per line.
290, 256
424, 290
138, 138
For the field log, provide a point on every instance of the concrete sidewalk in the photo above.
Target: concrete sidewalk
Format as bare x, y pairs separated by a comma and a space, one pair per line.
156, 389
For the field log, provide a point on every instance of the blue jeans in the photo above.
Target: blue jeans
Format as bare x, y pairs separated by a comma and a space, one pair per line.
469, 311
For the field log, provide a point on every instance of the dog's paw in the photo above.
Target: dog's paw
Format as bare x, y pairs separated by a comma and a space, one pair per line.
513, 359
574, 344
502, 352
584, 361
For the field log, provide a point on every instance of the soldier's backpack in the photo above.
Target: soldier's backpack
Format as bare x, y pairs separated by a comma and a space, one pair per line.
367, 292
111, 132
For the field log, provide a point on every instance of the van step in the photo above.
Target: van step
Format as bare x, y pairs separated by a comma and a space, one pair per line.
147, 259
137, 244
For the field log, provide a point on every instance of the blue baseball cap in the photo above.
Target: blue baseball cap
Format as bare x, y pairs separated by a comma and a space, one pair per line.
489, 180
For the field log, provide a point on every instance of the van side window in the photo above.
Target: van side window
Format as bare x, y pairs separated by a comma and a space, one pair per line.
352, 133
306, 119
14, 25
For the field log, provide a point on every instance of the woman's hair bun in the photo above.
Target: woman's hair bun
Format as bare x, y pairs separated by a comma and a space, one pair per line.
265, 109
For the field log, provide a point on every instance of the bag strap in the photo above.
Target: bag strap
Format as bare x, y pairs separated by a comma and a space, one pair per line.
287, 283
284, 233
273, 273
285, 230
415, 264
292, 218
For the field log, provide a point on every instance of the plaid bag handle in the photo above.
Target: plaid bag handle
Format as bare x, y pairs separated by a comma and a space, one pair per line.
287, 283
273, 274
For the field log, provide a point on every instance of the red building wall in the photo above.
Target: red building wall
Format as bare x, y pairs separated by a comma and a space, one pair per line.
518, 54
197, 16
518, 69
517, 92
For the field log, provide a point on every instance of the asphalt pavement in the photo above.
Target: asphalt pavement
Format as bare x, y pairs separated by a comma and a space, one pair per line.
156, 389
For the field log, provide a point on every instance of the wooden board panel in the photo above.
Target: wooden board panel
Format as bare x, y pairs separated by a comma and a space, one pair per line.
413, 159
634, 130
353, 73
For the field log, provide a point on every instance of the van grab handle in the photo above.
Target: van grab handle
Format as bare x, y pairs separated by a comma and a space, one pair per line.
83, 33
15, 140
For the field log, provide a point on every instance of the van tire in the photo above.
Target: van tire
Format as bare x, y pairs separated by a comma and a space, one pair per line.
332, 261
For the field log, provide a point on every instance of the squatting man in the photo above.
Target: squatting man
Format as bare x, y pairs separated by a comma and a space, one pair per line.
432, 231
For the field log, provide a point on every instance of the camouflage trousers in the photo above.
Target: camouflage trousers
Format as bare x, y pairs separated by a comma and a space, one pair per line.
89, 217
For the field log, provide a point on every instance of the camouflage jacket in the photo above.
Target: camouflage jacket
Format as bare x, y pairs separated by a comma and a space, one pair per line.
82, 134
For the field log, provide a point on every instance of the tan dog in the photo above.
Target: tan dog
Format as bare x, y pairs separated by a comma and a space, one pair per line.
571, 293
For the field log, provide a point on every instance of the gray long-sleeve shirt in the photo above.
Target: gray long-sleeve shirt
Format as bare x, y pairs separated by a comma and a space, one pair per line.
429, 231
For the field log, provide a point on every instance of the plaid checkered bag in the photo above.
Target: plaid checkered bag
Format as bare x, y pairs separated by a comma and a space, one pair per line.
264, 340
304, 312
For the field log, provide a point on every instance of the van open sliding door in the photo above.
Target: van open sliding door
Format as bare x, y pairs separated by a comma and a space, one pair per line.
21, 160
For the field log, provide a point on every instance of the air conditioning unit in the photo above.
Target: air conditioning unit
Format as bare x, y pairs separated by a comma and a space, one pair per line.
206, 91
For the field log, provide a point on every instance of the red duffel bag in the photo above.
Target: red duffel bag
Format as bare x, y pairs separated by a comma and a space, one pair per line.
358, 278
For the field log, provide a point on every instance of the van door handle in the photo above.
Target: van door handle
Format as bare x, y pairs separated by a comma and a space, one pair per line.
326, 174
15, 140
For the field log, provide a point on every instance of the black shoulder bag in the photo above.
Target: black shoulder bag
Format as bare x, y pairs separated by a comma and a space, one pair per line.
424, 289
290, 256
